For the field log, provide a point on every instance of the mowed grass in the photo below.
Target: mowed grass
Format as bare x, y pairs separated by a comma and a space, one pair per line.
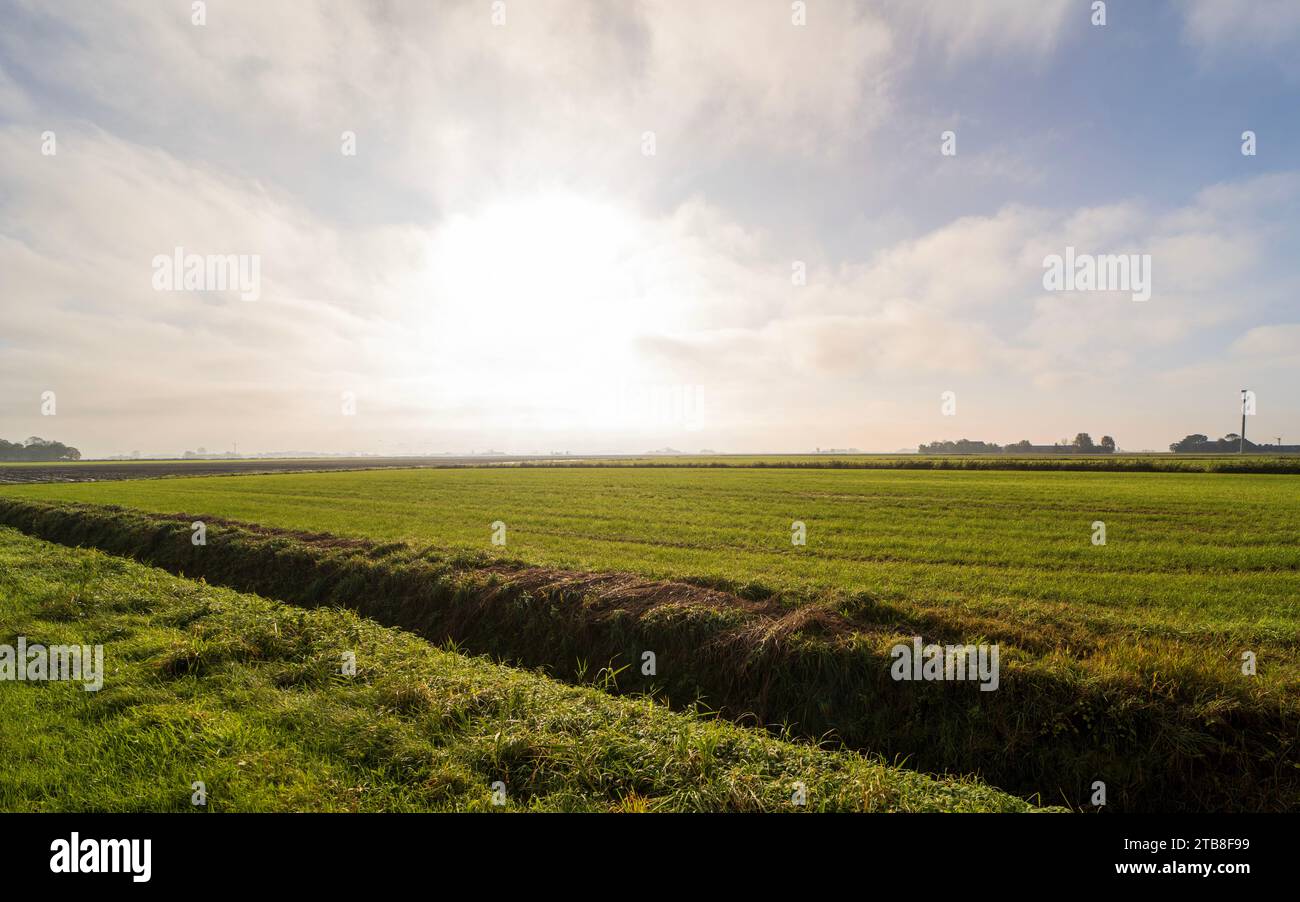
1128, 463
1187, 556
246, 695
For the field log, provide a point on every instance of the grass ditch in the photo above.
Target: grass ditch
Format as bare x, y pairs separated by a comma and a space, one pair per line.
1166, 727
204, 685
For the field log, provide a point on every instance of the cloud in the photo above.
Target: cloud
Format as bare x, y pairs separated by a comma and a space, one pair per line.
1246, 28
525, 304
965, 31
500, 243
78, 233
13, 99
967, 298
450, 109
1270, 344
447, 103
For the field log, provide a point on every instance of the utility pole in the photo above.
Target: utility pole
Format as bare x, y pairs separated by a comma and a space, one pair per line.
1241, 440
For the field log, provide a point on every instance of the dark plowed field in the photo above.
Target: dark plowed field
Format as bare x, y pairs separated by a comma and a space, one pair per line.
96, 471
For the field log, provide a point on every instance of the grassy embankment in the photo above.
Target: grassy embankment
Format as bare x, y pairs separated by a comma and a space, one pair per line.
246, 695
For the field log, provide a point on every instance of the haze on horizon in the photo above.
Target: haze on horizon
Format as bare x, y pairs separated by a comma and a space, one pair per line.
570, 225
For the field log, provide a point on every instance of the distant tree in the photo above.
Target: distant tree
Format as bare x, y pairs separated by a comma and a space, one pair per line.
1083, 442
1107, 444
1190, 443
961, 446
37, 449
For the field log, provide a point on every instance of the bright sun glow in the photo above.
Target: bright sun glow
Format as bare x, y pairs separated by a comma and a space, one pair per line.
550, 271
541, 299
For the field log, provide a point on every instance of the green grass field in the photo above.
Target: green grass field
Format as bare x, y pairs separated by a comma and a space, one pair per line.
1124, 657
1125, 463
245, 695
1186, 555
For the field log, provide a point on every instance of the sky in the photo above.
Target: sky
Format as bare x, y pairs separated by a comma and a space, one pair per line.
539, 225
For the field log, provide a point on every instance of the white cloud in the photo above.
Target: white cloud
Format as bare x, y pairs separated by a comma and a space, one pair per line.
13, 99
992, 27
1244, 33
967, 298
1278, 343
1243, 26
500, 244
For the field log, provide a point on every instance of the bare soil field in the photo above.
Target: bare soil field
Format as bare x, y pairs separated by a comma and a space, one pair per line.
100, 471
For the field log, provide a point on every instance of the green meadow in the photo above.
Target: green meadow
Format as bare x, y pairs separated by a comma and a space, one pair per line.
1186, 555
1167, 657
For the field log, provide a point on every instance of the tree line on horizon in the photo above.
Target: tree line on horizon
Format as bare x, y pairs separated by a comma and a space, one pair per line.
1203, 444
1082, 444
37, 448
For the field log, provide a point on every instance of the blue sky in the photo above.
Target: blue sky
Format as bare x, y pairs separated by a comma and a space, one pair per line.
502, 264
